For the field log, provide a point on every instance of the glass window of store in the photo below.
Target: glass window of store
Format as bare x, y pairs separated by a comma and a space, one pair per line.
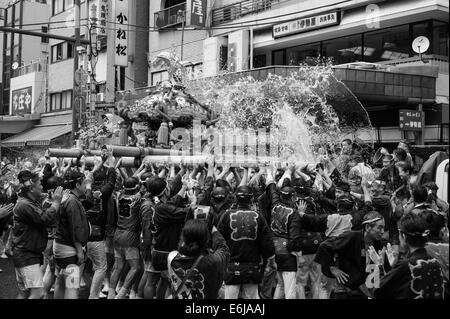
440, 38
343, 50
387, 44
302, 54
279, 57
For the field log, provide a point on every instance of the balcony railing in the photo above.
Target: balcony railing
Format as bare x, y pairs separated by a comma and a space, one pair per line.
170, 16
38, 66
241, 9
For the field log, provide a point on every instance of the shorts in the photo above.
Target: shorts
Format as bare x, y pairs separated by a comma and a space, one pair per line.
29, 277
71, 275
127, 253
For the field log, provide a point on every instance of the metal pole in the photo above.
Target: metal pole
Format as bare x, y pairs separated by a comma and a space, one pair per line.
183, 23
251, 48
41, 34
76, 93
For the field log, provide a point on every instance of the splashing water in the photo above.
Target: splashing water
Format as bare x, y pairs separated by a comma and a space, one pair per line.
308, 112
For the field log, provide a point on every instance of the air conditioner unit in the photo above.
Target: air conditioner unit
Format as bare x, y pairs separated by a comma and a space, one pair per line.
100, 97
238, 50
215, 52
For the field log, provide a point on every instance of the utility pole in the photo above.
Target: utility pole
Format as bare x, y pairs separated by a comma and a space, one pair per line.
182, 14
76, 96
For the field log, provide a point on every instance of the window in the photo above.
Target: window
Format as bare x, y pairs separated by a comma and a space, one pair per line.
440, 38
259, 61
344, 50
279, 57
302, 54
58, 6
158, 77
60, 101
62, 5
44, 30
62, 51
387, 44
57, 52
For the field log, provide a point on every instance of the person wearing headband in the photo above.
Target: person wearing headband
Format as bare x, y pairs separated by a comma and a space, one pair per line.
72, 233
281, 216
167, 222
346, 257
436, 245
127, 237
29, 233
100, 211
250, 242
306, 241
419, 276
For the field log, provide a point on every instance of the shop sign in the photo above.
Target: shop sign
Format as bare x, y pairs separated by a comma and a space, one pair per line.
306, 24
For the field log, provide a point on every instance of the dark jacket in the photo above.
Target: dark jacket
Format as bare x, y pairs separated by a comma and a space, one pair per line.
418, 277
346, 252
306, 239
72, 224
128, 229
218, 208
281, 217
101, 212
206, 278
167, 222
146, 214
30, 231
250, 241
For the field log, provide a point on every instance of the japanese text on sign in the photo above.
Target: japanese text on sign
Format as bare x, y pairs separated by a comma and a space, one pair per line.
121, 32
102, 16
198, 13
22, 101
410, 120
306, 24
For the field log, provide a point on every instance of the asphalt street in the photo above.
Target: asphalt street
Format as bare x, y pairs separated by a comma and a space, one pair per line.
8, 284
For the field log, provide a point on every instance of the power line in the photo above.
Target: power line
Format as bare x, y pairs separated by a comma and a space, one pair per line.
237, 25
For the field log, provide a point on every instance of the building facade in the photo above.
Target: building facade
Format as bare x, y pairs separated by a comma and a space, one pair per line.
369, 43
99, 77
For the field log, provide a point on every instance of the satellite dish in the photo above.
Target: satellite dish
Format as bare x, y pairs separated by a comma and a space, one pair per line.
421, 44
15, 65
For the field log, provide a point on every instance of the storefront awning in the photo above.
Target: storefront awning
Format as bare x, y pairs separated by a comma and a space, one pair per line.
37, 136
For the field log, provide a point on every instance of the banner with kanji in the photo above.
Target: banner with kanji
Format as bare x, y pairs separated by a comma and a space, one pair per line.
121, 30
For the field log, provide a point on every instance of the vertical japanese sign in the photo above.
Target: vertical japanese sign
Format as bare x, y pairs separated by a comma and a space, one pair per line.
198, 12
22, 101
121, 32
102, 12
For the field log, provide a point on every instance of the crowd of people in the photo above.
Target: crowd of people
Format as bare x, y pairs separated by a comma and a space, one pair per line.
338, 229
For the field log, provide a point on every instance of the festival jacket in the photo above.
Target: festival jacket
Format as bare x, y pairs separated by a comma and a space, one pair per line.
72, 224
146, 213
218, 209
439, 250
250, 242
417, 277
306, 239
348, 253
128, 221
167, 222
281, 216
30, 231
206, 279
101, 210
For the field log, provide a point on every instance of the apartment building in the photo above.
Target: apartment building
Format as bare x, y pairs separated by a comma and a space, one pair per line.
368, 41
53, 126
